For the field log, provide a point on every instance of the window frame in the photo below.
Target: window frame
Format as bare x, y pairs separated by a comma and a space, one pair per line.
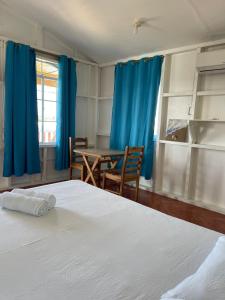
43, 100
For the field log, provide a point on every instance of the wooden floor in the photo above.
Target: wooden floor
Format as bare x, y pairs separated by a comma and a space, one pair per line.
181, 210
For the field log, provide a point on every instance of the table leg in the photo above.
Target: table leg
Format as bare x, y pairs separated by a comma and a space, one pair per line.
113, 164
99, 173
91, 169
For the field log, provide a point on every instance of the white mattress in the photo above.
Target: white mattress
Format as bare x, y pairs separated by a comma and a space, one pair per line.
96, 245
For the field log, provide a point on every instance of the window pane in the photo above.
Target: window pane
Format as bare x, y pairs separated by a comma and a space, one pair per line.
39, 90
49, 111
39, 102
49, 69
38, 67
49, 132
40, 124
50, 91
50, 82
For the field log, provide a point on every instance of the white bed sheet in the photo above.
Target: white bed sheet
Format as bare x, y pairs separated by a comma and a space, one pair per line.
96, 245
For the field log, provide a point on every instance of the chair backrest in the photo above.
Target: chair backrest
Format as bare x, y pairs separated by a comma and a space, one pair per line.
132, 162
77, 143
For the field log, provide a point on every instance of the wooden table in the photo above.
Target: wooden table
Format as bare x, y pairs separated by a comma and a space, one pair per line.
99, 155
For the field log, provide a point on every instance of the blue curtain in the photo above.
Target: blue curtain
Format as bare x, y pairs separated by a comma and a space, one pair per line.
21, 147
134, 106
66, 107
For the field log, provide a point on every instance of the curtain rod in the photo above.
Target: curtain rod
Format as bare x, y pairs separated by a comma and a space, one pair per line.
50, 52
113, 63
164, 52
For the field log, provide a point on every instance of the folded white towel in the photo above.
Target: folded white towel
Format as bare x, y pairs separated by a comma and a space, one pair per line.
27, 204
48, 197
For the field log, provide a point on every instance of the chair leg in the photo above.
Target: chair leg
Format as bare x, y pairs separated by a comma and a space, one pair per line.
82, 174
71, 173
103, 181
121, 189
137, 190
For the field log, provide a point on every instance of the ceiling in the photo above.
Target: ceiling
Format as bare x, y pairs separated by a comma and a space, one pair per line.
103, 30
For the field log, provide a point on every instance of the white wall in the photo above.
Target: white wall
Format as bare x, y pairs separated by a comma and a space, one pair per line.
191, 174
16, 27
186, 173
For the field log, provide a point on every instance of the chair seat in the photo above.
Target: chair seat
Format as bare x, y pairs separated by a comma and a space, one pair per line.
130, 170
105, 160
115, 175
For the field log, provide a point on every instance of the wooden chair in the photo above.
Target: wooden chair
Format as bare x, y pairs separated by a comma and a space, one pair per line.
76, 161
131, 170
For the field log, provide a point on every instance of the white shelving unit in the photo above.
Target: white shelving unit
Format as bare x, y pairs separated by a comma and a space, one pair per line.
102, 133
87, 102
178, 94
105, 98
208, 147
197, 146
211, 93
173, 143
206, 121
94, 104
86, 97
190, 170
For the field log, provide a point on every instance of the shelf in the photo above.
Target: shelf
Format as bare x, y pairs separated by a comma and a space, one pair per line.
103, 133
173, 143
105, 98
208, 147
211, 93
198, 146
206, 121
86, 97
178, 94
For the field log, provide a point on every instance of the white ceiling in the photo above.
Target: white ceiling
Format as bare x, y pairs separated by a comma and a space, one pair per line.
102, 29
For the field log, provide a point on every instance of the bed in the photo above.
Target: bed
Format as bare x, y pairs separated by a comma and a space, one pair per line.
96, 245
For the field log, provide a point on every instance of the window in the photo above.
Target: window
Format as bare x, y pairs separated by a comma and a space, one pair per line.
47, 77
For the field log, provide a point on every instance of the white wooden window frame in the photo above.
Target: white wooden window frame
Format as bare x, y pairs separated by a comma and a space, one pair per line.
43, 100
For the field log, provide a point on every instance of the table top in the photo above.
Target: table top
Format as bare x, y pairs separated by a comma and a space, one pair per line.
96, 152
